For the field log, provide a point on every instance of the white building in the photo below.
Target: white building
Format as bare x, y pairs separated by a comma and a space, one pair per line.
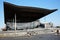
48, 25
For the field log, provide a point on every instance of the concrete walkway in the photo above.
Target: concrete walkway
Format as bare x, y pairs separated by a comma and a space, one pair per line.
35, 37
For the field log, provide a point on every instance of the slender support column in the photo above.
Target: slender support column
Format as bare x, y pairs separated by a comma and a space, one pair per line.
15, 22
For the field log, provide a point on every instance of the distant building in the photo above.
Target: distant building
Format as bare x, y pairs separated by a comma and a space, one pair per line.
57, 26
48, 25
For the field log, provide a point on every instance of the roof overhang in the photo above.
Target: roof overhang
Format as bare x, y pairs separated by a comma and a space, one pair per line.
24, 13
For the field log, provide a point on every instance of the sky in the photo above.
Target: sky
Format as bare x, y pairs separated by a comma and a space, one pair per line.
48, 4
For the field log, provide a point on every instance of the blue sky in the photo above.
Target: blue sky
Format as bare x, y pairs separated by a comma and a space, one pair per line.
49, 4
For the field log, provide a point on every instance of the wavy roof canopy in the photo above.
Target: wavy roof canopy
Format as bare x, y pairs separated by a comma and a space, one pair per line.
24, 13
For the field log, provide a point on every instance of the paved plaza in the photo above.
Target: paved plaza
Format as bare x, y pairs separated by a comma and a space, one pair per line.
35, 37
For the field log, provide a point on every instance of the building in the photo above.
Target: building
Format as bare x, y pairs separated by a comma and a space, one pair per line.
22, 17
48, 25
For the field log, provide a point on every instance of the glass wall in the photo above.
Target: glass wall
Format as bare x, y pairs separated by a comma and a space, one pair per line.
23, 25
